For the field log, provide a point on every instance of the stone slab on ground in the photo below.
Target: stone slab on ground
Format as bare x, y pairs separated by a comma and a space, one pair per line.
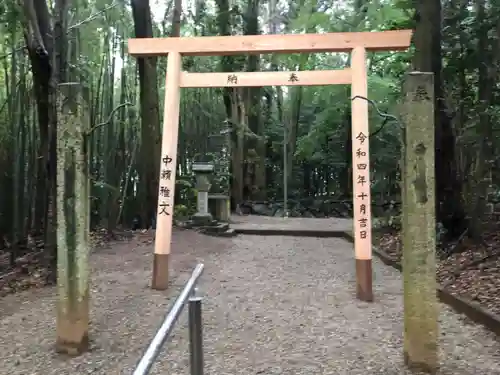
291, 226
274, 305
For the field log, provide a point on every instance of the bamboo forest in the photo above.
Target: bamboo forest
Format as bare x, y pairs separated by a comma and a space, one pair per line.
81, 123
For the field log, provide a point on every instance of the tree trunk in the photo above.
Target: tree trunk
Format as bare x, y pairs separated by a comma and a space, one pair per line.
150, 117
39, 40
232, 105
255, 145
427, 39
486, 152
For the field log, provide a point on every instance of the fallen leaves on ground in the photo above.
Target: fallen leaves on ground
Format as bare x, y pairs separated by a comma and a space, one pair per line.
30, 271
473, 272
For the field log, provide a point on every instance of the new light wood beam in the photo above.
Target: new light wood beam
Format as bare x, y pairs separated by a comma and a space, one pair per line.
361, 176
167, 174
394, 40
260, 79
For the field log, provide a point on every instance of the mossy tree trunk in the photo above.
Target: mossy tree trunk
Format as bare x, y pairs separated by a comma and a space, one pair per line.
419, 225
73, 224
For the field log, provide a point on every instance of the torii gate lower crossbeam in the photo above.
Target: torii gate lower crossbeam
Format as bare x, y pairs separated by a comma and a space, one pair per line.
355, 43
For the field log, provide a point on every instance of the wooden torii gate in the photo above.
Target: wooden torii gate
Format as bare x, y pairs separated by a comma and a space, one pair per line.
357, 43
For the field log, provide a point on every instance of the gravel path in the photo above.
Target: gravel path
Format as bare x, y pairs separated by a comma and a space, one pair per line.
274, 305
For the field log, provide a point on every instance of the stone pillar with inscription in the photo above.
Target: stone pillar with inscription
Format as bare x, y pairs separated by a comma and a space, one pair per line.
421, 310
203, 173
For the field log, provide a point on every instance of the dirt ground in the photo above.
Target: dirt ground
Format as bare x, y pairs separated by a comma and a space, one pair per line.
273, 305
472, 272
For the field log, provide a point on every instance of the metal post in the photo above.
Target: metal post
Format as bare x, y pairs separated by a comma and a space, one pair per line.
196, 335
285, 171
161, 336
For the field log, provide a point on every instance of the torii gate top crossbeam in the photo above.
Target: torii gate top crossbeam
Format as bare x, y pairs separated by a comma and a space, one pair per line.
394, 40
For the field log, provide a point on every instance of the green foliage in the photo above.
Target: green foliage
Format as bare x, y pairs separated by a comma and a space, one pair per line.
182, 212
319, 116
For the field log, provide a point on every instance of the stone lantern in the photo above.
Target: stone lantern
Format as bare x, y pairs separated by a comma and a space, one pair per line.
203, 172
